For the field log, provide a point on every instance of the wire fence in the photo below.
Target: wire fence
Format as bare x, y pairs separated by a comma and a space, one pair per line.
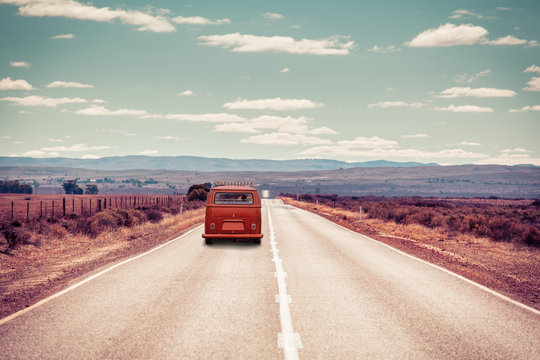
26, 208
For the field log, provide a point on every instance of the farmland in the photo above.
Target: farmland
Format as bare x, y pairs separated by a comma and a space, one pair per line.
24, 207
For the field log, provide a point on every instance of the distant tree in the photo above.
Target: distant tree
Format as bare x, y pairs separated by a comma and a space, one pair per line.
91, 189
71, 187
14, 187
198, 192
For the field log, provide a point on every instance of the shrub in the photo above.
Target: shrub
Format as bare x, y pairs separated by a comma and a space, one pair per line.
533, 237
154, 216
57, 231
14, 234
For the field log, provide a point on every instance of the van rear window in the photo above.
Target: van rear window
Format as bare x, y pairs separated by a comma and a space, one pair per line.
229, 198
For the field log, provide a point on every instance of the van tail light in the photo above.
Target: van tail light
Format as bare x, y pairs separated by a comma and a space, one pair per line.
212, 226
253, 227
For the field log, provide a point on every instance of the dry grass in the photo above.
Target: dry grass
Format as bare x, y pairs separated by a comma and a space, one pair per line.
510, 268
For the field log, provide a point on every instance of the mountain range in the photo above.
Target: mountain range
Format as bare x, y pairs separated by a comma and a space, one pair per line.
195, 163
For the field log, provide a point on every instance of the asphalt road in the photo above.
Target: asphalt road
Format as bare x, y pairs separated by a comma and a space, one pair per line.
340, 295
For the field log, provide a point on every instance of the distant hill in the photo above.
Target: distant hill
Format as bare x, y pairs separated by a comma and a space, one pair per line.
194, 163
438, 181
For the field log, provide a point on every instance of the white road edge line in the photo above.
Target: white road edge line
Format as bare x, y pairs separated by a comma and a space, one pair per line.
482, 287
288, 340
73, 287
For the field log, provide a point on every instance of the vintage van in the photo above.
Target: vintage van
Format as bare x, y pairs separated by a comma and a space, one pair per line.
233, 212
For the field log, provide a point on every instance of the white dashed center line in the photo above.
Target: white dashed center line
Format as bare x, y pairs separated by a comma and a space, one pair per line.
288, 340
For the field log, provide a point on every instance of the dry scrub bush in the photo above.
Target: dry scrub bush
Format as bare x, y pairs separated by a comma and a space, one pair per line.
509, 223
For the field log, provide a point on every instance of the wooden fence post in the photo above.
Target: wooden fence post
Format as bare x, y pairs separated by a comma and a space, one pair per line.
64, 207
12, 211
73, 206
27, 211
99, 204
82, 209
41, 209
52, 215
90, 206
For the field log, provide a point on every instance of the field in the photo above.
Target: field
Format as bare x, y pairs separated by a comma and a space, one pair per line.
23, 207
492, 242
505, 220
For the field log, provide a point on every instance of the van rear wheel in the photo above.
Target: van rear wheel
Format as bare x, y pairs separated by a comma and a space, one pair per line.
257, 241
208, 241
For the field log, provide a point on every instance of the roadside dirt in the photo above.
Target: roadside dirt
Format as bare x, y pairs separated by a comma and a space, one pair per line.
43, 267
510, 269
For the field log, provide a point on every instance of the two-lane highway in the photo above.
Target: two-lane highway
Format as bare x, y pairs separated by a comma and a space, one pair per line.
346, 297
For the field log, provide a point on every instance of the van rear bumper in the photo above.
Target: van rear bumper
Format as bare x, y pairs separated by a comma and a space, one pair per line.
232, 236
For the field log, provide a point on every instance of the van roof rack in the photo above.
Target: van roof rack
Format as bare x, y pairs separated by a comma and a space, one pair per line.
233, 183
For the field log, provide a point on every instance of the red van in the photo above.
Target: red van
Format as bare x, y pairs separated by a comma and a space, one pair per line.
233, 212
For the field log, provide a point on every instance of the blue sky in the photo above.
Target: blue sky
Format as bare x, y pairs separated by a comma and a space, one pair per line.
431, 81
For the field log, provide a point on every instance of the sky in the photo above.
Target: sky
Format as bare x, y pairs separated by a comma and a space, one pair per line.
451, 82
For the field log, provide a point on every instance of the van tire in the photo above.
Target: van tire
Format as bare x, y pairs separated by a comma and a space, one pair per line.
208, 241
257, 241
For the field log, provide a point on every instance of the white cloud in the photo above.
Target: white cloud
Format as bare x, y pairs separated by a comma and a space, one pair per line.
43, 101
526, 108
95, 110
389, 88
19, 64
515, 156
90, 157
470, 78
198, 20
121, 132
167, 137
272, 104
63, 37
39, 153
297, 26
280, 138
144, 21
464, 143
532, 68
465, 34
148, 152
464, 109
533, 84
286, 124
8, 84
323, 130
361, 142
235, 128
382, 49
335, 45
389, 104
274, 16
458, 14
411, 153
187, 93
285, 70
515, 150
75, 148
415, 136
211, 118
56, 140
68, 84
449, 35
506, 40
455, 92
99, 101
